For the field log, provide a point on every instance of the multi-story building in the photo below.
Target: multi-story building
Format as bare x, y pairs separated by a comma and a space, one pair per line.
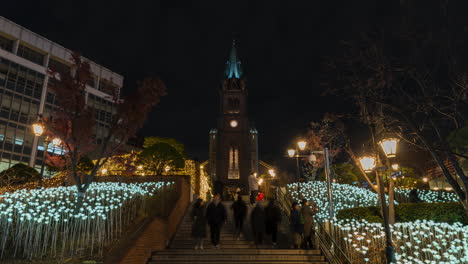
24, 92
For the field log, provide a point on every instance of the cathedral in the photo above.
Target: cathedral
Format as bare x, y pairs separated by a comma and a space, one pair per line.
233, 150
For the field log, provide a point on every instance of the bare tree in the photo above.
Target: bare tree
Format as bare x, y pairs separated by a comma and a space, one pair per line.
412, 80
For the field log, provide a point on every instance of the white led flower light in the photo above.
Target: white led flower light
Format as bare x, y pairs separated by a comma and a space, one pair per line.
45, 221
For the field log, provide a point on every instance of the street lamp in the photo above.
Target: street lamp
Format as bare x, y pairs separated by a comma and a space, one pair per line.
38, 129
368, 165
291, 153
56, 142
272, 173
389, 146
301, 144
260, 181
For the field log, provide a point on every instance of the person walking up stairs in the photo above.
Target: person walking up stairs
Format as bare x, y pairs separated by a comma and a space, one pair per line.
232, 250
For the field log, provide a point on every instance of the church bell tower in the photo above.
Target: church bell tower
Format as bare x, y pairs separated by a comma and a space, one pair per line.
234, 144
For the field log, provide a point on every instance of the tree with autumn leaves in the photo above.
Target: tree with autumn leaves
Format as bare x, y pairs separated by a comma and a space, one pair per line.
73, 121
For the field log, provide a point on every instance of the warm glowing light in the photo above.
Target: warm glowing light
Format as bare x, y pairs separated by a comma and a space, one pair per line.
312, 158
233, 123
435, 188
260, 181
167, 168
389, 146
395, 166
301, 144
291, 152
140, 167
367, 163
448, 189
272, 172
38, 129
103, 171
425, 179
56, 141
201, 166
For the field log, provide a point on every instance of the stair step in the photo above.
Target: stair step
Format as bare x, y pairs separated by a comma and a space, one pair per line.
234, 262
244, 252
241, 257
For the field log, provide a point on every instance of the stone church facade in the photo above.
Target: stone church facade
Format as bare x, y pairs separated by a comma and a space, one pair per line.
233, 150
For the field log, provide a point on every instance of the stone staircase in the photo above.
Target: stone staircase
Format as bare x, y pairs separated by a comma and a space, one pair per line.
244, 250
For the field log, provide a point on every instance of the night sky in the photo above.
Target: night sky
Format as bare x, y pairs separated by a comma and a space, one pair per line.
282, 45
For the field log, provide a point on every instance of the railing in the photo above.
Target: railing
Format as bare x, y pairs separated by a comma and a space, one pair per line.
328, 245
330, 248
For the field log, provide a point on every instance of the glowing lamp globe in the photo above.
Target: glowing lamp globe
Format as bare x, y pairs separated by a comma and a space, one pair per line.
260, 181
233, 123
56, 141
272, 172
301, 144
395, 167
38, 129
291, 152
367, 163
389, 146
425, 179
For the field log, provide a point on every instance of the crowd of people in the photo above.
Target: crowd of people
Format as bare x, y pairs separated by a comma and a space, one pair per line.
263, 221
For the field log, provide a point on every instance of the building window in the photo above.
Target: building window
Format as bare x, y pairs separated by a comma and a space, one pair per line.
59, 67
107, 87
31, 54
6, 43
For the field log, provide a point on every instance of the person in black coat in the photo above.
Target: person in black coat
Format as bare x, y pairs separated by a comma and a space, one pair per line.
216, 217
257, 219
272, 219
240, 211
199, 223
297, 225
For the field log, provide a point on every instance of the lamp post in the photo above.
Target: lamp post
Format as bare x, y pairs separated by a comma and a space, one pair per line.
292, 154
301, 145
38, 130
368, 164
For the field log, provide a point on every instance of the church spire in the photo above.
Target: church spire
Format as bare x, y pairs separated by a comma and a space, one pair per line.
233, 65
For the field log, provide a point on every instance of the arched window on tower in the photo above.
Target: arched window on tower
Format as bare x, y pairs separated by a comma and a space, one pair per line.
233, 171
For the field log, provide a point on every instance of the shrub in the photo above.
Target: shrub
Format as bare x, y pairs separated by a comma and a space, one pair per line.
18, 174
437, 212
370, 214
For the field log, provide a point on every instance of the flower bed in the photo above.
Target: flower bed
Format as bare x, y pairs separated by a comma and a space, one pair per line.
427, 196
344, 196
419, 241
46, 222
416, 242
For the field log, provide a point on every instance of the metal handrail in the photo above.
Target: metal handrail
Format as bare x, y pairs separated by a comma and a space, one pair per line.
327, 244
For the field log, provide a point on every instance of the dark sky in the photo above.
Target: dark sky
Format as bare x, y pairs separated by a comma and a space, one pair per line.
281, 44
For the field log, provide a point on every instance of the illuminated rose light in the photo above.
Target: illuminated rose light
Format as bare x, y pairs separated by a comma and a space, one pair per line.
39, 222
